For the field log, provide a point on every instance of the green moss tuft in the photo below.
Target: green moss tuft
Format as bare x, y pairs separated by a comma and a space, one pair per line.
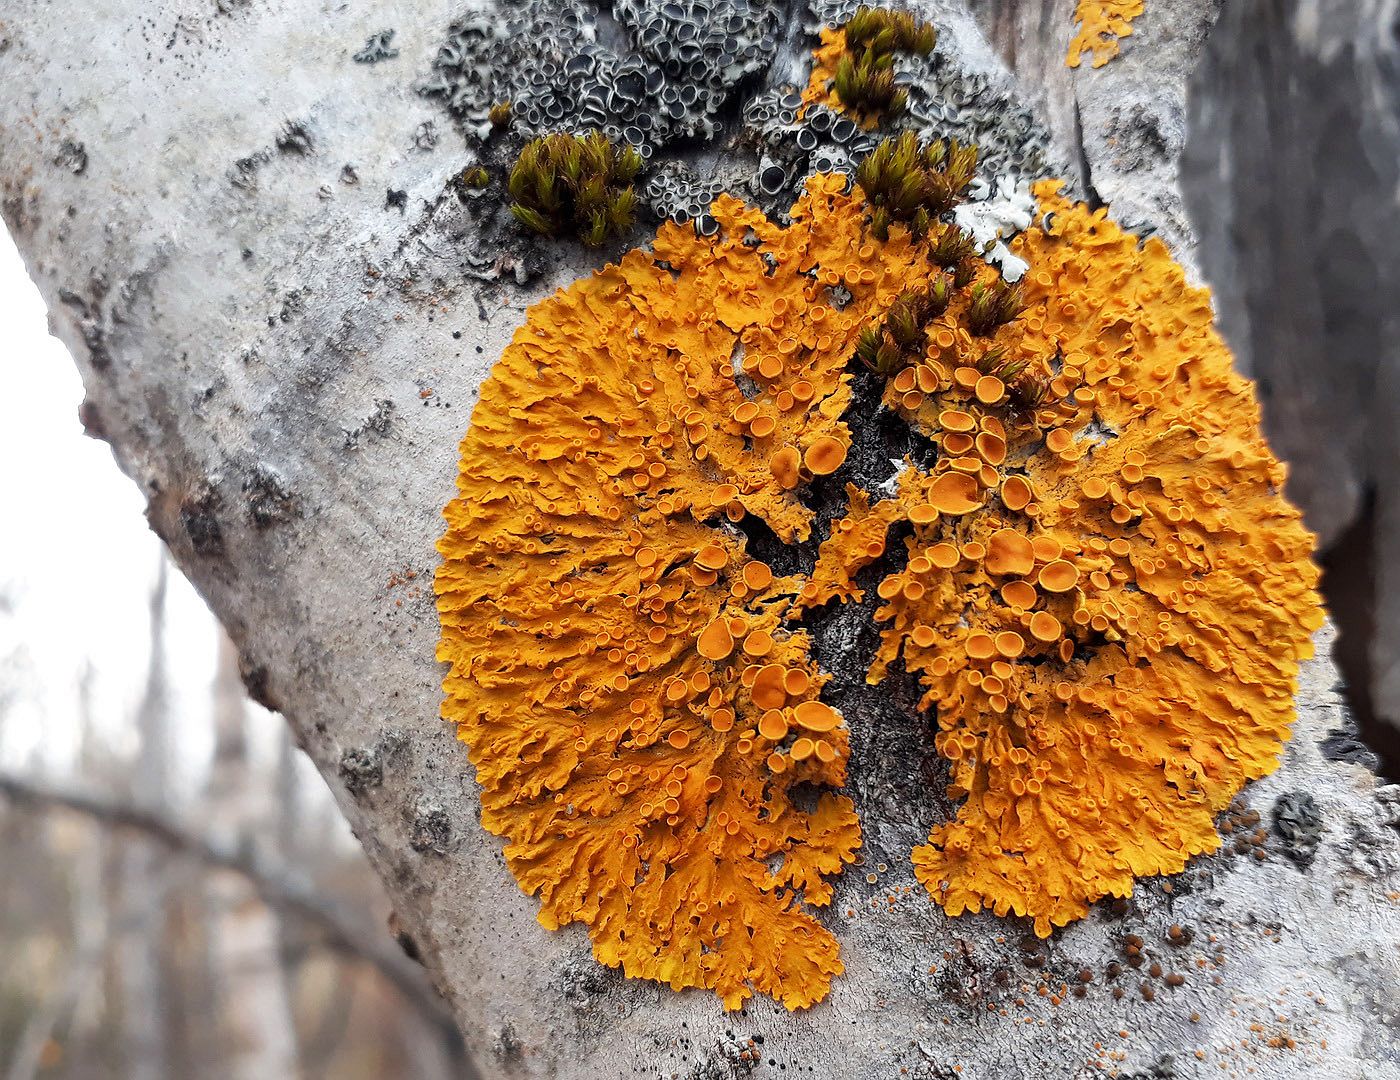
889, 31
899, 340
906, 181
991, 306
562, 184
864, 81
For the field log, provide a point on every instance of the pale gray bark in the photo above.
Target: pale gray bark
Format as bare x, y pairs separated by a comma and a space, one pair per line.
260, 353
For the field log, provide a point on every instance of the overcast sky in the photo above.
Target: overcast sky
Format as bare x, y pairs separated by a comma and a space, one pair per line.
76, 559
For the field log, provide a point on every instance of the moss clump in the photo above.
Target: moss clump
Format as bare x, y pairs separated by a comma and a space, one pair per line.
906, 181
993, 305
579, 184
954, 249
474, 178
499, 114
864, 81
899, 340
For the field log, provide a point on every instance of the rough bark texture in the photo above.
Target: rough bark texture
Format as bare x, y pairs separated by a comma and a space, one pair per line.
1296, 147
1122, 126
247, 242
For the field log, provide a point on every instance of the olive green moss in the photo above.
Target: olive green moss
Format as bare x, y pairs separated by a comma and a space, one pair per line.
864, 81
907, 181
575, 185
892, 344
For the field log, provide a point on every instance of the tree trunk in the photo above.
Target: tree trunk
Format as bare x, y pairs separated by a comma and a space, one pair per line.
255, 1007
282, 313
1296, 122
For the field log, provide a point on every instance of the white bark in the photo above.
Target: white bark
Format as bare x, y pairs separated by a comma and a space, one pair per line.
274, 363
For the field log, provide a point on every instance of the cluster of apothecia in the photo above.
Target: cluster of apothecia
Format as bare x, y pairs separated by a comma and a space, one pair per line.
1105, 597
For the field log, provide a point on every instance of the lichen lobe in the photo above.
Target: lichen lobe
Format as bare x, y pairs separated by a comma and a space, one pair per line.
638, 708
1099, 26
1106, 597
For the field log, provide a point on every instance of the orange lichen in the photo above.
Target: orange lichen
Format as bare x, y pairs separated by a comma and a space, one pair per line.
820, 89
635, 702
824, 456
1100, 25
1105, 598
1108, 612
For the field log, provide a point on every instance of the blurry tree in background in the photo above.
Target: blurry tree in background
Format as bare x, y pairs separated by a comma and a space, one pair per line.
1290, 175
148, 933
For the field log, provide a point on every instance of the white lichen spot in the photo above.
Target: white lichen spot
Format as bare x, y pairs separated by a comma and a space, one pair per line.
993, 214
889, 486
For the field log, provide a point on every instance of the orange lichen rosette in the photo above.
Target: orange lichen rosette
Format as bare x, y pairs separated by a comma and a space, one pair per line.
1107, 611
1103, 594
636, 706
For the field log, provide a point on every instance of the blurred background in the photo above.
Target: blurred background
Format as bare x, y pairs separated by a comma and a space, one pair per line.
179, 895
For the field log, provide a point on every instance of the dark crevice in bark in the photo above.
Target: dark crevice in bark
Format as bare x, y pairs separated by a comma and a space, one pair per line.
1348, 585
1081, 159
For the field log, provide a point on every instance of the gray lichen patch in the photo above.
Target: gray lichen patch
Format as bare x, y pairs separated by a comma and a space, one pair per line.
693, 86
667, 73
267, 497
948, 98
361, 769
378, 47
430, 831
1297, 819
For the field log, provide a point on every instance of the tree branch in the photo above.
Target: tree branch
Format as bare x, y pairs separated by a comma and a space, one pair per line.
273, 884
282, 327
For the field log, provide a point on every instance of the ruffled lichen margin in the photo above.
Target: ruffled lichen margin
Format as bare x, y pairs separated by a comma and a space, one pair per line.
1105, 598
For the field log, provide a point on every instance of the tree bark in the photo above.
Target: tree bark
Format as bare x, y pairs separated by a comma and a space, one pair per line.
1296, 144
281, 318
